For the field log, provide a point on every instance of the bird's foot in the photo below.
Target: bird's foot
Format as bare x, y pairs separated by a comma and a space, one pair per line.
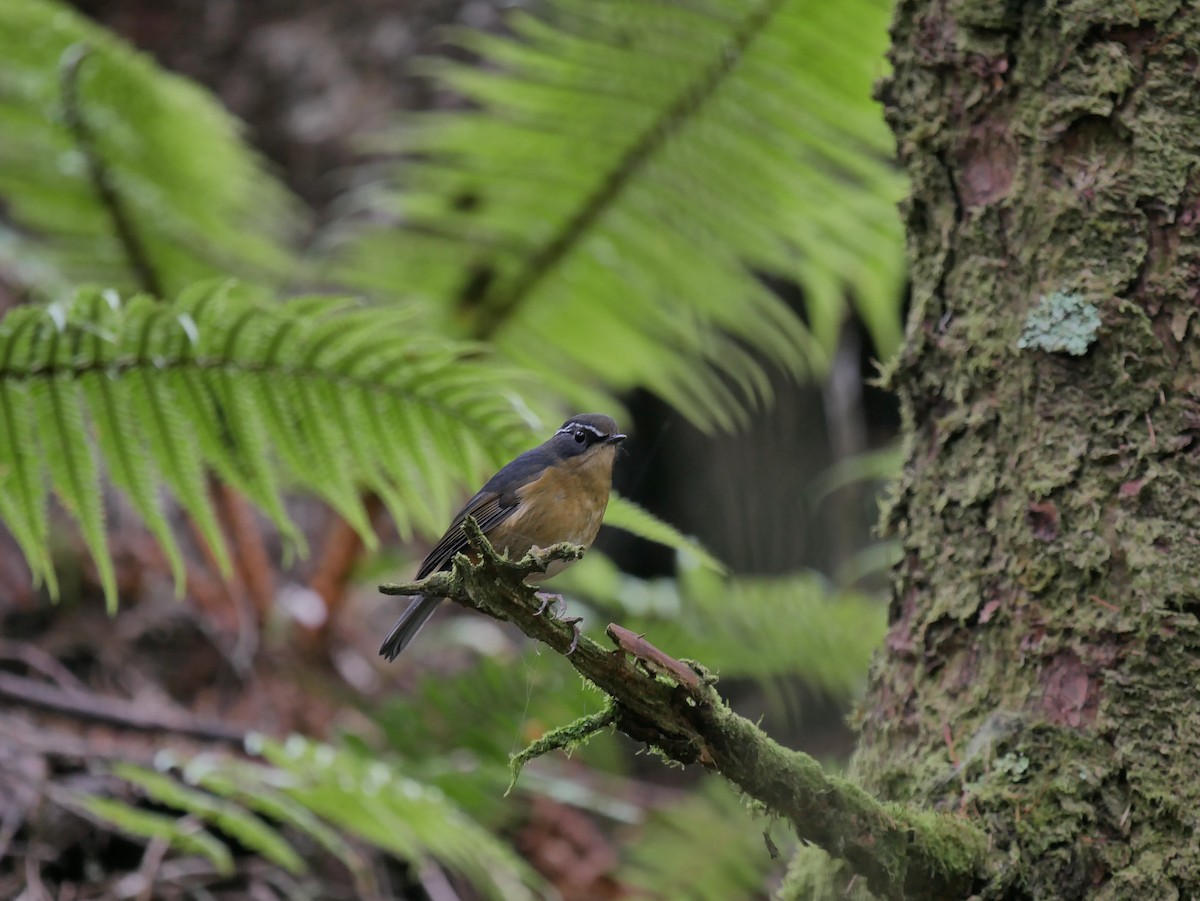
574, 623
551, 600
558, 608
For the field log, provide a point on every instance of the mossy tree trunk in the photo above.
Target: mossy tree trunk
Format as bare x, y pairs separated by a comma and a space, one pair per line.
1042, 670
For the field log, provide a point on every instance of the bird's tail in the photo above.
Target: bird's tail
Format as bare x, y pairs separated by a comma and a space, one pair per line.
407, 627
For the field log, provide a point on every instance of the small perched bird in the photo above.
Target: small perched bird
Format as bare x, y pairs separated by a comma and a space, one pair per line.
556, 492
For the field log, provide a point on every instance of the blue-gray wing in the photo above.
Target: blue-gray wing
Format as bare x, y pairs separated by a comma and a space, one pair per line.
495, 502
488, 510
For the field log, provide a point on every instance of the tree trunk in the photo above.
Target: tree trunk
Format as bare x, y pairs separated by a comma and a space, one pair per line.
1042, 670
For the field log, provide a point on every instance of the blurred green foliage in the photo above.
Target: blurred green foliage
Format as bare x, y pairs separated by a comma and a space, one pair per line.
626, 173
318, 393
202, 202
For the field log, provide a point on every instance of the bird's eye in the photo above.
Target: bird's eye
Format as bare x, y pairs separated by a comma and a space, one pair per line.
580, 437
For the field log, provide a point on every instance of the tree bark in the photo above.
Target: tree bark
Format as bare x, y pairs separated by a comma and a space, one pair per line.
1042, 667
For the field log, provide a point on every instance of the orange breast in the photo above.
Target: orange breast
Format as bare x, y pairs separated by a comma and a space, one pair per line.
566, 503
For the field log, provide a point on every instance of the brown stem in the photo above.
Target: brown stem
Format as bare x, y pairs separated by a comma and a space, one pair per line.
113, 711
341, 550
250, 557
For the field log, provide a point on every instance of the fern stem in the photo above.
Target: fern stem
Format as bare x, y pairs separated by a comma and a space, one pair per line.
98, 174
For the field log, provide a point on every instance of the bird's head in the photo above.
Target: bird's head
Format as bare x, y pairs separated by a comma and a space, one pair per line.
587, 435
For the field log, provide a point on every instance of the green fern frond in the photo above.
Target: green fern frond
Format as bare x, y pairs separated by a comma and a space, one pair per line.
603, 211
624, 514
762, 627
329, 795
230, 782
489, 711
324, 394
706, 847
880, 465
230, 818
199, 201
753, 627
372, 800
179, 834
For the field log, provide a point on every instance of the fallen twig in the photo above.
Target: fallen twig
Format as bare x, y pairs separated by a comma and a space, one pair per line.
113, 711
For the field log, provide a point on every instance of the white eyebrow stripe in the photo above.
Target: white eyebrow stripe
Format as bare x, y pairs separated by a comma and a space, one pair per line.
572, 426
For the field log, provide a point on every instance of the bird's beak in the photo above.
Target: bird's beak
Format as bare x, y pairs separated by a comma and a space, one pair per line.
614, 439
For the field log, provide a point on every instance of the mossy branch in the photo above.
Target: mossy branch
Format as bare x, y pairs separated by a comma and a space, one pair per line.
564, 738
675, 708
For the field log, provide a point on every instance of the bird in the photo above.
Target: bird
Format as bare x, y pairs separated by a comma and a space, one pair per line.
556, 492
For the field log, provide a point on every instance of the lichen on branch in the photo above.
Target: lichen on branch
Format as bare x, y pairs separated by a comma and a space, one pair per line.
901, 852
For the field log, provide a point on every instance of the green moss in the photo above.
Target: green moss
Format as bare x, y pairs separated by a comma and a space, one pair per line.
987, 14
564, 738
955, 841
